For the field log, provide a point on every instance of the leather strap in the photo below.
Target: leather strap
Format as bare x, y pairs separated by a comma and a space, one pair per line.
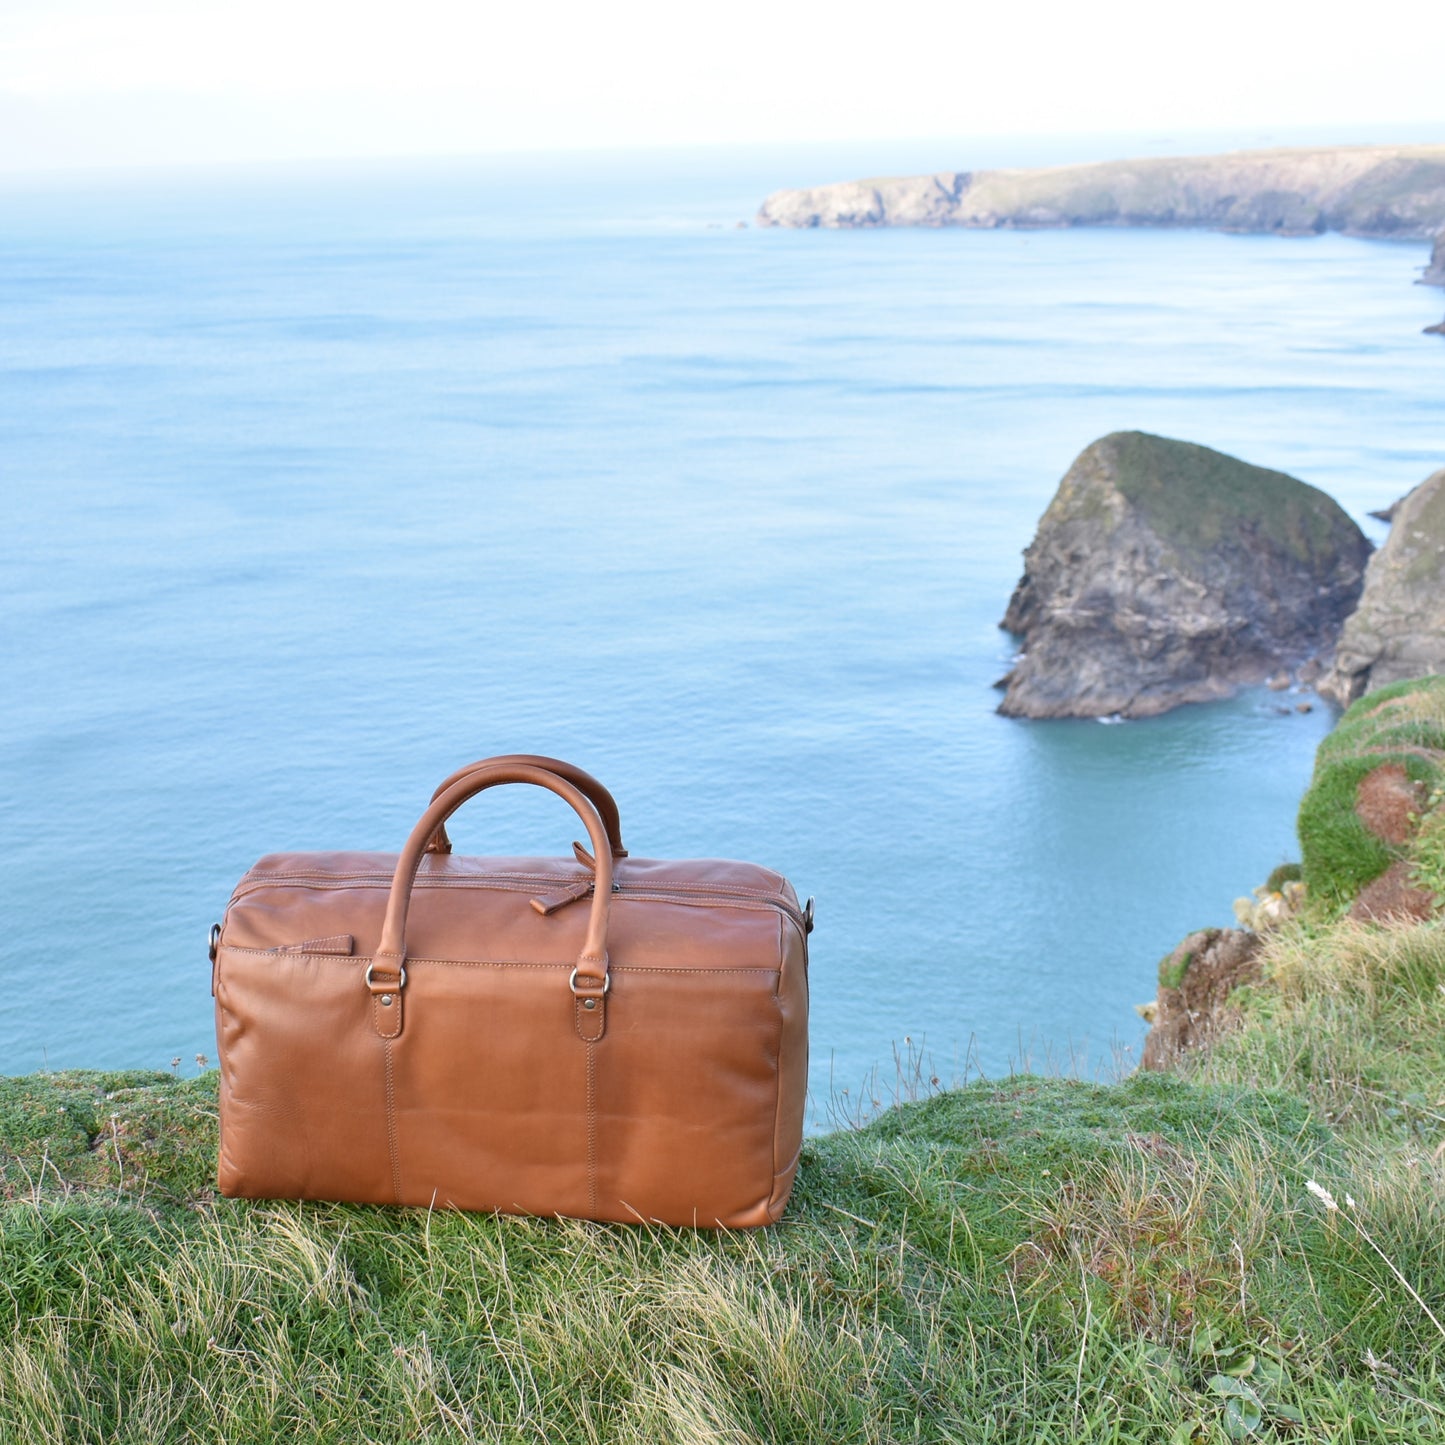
386, 977
595, 793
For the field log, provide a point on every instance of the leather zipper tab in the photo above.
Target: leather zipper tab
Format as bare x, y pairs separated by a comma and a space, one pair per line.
546, 903
337, 943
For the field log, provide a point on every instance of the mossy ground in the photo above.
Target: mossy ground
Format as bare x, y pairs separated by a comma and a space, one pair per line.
1025, 1259
1403, 724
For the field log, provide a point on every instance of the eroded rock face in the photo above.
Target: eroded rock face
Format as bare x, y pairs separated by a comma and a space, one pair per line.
1398, 631
1195, 983
1164, 573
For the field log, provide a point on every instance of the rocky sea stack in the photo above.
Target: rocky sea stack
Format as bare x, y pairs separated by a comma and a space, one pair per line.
1399, 629
1164, 573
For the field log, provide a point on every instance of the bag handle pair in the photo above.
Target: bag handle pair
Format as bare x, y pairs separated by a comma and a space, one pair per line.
590, 982
595, 793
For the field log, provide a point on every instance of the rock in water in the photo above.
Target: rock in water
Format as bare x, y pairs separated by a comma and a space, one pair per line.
1165, 573
1398, 630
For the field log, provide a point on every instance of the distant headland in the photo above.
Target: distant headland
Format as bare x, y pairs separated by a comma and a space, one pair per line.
1374, 190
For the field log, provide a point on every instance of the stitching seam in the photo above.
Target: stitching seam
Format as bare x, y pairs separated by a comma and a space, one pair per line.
392, 1149
512, 883
592, 1131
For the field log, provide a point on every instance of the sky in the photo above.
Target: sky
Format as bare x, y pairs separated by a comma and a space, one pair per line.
86, 83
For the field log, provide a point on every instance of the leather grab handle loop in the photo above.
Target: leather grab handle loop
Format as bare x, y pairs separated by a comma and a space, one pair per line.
595, 793
591, 971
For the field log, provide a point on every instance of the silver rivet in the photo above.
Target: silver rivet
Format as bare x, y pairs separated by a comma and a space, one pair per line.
386, 1000
589, 1003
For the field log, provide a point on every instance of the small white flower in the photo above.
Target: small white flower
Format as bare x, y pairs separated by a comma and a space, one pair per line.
1322, 1194
1349, 1201
1378, 1365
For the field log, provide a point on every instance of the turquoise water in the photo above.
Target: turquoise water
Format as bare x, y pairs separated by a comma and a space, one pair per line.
318, 484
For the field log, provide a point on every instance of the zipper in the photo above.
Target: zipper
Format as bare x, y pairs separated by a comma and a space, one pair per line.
551, 900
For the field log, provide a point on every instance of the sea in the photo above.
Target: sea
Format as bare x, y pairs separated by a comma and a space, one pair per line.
321, 480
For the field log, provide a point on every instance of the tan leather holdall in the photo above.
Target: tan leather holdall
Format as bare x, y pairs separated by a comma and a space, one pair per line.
602, 1036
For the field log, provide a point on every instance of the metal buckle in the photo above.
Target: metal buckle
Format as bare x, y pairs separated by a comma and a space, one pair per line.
606, 985
215, 941
400, 982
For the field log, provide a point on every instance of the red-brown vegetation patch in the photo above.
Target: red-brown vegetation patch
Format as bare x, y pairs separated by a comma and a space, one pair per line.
1388, 803
1394, 898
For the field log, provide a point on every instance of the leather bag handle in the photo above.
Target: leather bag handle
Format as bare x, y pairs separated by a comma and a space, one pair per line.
386, 975
584, 782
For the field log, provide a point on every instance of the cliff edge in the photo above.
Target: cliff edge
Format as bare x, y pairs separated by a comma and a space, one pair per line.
1394, 191
1359, 914
1398, 630
1163, 573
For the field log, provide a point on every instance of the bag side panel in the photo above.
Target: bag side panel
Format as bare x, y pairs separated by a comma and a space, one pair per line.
793, 1066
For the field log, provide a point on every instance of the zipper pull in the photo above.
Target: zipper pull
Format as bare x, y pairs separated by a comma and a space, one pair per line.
546, 903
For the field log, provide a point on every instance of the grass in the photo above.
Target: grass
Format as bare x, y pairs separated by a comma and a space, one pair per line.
1027, 1259
1250, 1249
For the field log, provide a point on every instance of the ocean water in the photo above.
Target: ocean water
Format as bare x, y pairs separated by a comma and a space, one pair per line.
319, 483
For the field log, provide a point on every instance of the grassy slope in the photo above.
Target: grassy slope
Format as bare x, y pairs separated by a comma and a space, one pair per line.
1405, 724
1023, 1260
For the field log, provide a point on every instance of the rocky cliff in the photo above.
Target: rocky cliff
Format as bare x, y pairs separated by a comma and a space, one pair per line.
1434, 273
1398, 631
1164, 573
1362, 190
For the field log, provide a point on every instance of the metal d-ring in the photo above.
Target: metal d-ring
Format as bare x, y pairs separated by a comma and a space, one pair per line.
215, 940
606, 983
401, 976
